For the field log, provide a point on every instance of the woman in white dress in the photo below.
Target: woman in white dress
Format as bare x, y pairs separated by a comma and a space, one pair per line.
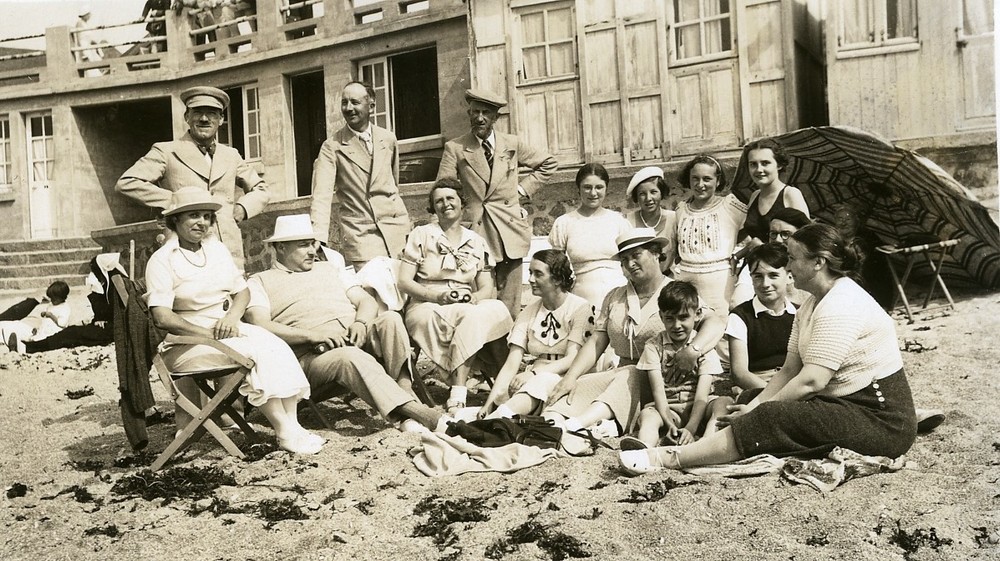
194, 289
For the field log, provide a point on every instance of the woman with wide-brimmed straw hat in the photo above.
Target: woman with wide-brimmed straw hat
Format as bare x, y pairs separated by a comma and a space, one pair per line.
194, 289
629, 317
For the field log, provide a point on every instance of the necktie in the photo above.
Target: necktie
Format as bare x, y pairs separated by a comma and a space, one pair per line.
488, 150
366, 137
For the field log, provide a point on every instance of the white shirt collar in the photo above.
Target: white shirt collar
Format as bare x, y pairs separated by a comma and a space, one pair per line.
365, 134
492, 138
759, 308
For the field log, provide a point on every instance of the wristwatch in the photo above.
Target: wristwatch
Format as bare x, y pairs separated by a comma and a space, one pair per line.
696, 348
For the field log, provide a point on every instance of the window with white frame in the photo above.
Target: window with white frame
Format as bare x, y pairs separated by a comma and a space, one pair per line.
41, 154
701, 29
547, 42
6, 179
406, 92
241, 129
876, 23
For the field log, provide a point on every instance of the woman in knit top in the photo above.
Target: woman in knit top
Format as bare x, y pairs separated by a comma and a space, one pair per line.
588, 235
842, 383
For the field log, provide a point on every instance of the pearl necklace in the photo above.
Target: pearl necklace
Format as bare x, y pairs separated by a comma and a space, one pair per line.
659, 217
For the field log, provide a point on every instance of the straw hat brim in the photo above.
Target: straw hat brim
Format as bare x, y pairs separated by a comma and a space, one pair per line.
207, 205
639, 242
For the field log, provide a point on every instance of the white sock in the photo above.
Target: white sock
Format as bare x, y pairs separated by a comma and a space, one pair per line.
502, 412
458, 393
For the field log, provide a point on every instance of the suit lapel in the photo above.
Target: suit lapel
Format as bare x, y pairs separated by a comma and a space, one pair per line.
477, 158
380, 150
500, 160
355, 150
188, 153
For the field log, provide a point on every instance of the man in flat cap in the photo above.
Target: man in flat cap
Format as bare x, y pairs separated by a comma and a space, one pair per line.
486, 162
360, 165
197, 160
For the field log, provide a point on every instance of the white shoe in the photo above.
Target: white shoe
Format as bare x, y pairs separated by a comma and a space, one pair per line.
636, 462
410, 425
607, 428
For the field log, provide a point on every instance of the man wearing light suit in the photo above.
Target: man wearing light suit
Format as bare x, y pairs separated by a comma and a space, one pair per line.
195, 160
486, 163
360, 164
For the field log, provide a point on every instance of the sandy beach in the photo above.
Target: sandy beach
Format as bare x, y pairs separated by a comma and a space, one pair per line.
71, 489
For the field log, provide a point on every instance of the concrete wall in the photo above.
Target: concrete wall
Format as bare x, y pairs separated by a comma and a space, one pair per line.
101, 131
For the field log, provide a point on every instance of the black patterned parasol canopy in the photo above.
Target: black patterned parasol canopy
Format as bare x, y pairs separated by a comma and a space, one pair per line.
903, 195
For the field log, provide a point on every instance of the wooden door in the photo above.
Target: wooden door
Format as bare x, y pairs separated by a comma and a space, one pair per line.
623, 55
546, 81
976, 55
41, 162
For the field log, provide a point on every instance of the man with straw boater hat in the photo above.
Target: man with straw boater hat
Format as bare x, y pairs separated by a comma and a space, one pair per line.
334, 327
486, 162
197, 159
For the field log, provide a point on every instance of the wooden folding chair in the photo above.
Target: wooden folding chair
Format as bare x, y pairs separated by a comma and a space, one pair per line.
207, 417
911, 253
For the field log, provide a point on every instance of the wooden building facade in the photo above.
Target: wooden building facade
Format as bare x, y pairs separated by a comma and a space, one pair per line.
913, 69
632, 81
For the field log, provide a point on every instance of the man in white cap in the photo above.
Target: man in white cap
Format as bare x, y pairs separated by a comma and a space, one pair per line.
196, 159
360, 165
486, 162
334, 327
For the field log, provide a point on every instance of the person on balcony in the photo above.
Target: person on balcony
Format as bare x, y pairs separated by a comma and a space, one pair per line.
197, 159
360, 165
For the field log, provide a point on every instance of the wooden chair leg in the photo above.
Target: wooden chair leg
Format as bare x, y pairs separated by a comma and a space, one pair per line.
203, 420
315, 409
419, 387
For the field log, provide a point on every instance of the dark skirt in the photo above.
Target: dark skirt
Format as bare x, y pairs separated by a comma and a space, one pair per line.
878, 420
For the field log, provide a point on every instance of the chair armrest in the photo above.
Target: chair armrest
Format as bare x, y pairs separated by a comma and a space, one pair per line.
238, 358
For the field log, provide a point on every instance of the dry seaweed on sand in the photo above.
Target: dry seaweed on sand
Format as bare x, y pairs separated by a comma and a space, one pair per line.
80, 494
271, 511
109, 530
910, 542
134, 460
655, 491
174, 483
86, 465
558, 545
444, 512
80, 393
17, 490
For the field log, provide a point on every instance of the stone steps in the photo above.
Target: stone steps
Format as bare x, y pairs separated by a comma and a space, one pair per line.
32, 265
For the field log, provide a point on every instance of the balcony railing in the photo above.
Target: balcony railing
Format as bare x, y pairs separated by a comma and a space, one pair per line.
192, 37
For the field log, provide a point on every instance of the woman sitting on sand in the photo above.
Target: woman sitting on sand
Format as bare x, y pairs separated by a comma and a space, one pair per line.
551, 329
195, 289
842, 383
629, 318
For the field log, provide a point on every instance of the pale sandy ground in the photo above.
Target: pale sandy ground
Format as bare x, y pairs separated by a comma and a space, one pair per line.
359, 494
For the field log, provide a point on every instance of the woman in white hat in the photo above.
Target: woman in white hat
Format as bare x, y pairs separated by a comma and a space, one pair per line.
587, 236
629, 318
647, 189
194, 289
